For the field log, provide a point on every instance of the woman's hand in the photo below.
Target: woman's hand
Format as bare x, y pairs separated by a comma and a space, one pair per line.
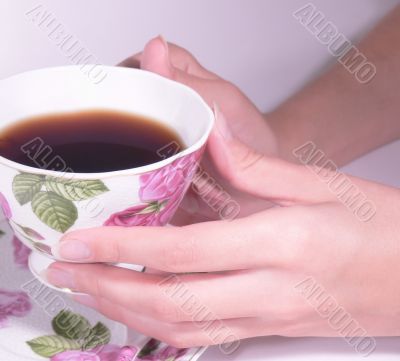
283, 271
245, 120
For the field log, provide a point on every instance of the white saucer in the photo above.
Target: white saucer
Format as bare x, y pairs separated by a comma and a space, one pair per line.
37, 305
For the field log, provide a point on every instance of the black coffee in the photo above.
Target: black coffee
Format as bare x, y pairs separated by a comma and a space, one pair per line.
87, 142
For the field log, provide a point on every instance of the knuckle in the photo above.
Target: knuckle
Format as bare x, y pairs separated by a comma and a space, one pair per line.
108, 251
114, 252
245, 160
100, 286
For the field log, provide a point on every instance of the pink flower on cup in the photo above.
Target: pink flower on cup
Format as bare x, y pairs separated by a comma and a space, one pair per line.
133, 216
161, 192
15, 304
5, 206
102, 353
21, 253
166, 182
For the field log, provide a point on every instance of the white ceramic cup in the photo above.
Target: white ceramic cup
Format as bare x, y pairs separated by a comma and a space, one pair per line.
42, 204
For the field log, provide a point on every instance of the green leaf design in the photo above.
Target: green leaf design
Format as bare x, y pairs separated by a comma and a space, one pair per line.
99, 335
25, 186
57, 212
71, 325
48, 346
153, 207
2, 233
75, 190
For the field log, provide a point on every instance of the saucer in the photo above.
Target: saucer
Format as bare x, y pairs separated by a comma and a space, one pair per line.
30, 313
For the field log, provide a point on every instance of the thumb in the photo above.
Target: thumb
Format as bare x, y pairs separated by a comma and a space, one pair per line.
175, 63
155, 58
271, 178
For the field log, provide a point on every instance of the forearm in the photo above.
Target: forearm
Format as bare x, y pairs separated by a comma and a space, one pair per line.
343, 117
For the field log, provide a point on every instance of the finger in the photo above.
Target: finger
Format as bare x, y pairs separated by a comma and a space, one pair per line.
172, 298
263, 239
177, 56
183, 60
186, 334
155, 58
272, 178
177, 64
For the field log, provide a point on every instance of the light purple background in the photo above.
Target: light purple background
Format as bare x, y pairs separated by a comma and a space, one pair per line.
255, 43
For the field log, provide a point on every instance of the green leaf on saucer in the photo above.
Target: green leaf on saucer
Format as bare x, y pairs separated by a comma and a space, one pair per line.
71, 325
25, 186
149, 348
57, 212
99, 335
48, 346
76, 190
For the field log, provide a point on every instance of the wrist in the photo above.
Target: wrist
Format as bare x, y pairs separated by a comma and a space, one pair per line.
287, 138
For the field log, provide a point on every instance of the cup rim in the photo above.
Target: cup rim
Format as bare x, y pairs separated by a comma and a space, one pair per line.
125, 172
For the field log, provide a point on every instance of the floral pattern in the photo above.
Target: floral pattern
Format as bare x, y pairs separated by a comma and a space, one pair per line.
161, 192
21, 253
53, 199
5, 206
13, 303
76, 340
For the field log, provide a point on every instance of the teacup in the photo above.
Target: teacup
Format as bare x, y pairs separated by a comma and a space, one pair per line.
41, 205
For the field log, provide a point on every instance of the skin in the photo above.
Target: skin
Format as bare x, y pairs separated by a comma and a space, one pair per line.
247, 272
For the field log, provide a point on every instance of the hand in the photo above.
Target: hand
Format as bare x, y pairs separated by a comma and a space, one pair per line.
245, 120
260, 271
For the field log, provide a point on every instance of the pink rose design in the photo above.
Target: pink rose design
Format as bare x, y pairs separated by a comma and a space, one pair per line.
21, 253
166, 182
132, 217
102, 353
161, 191
127, 353
5, 206
15, 304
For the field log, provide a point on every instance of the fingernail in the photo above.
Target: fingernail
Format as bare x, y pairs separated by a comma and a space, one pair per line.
164, 42
86, 300
72, 250
60, 278
166, 49
221, 123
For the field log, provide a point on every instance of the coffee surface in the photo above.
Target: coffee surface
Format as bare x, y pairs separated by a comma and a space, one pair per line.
86, 142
